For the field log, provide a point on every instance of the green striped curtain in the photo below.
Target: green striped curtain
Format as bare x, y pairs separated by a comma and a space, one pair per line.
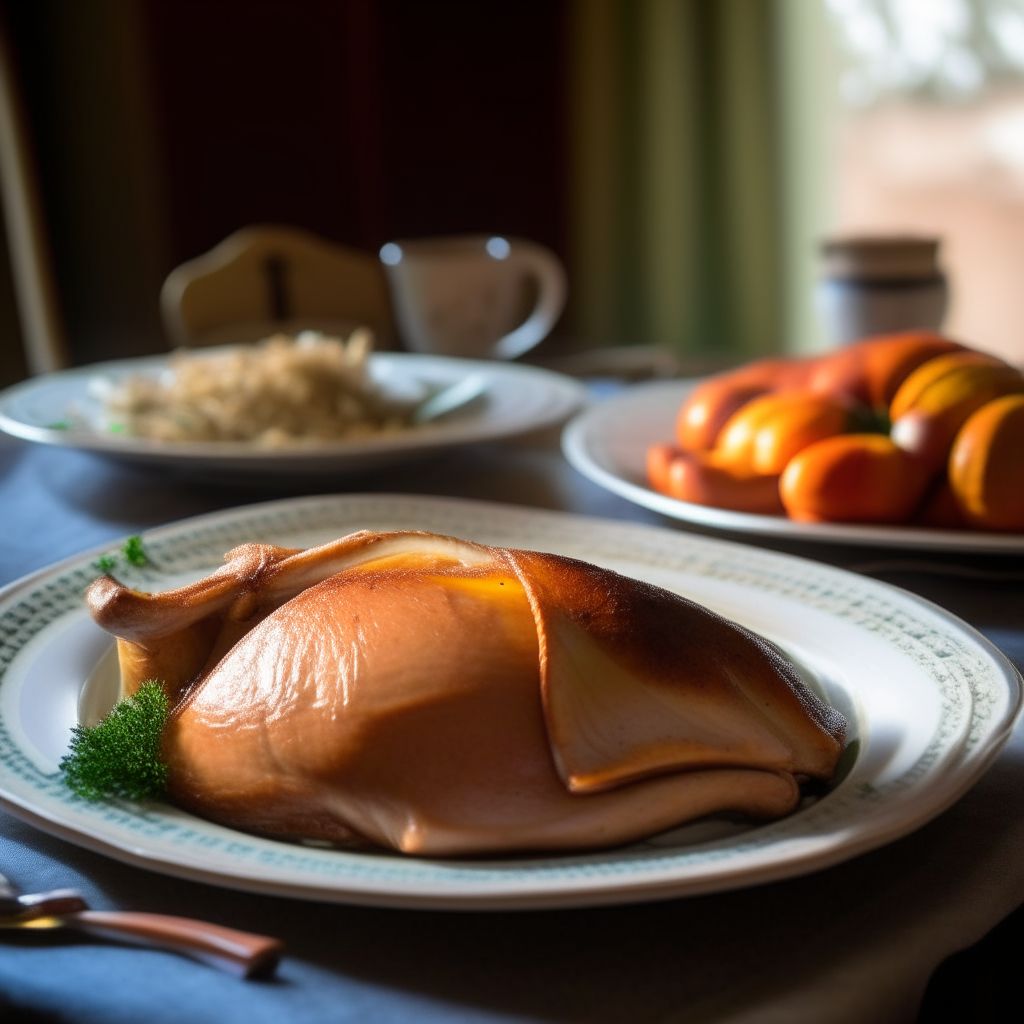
681, 192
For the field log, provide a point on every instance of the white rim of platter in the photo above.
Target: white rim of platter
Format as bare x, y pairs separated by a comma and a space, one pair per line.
517, 399
930, 703
608, 442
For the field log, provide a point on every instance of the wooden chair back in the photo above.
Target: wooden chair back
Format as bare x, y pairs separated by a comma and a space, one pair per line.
265, 279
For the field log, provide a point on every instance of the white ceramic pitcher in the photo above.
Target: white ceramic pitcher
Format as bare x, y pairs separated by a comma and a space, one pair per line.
465, 295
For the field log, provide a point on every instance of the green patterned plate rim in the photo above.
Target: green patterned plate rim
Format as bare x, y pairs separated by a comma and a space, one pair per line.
932, 702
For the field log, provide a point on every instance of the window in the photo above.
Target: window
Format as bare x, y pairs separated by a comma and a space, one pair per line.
929, 139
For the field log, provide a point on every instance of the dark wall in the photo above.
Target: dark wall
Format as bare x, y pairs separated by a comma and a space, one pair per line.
84, 73
163, 125
363, 120
473, 100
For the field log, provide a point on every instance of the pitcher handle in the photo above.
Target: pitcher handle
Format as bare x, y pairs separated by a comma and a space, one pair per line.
551, 295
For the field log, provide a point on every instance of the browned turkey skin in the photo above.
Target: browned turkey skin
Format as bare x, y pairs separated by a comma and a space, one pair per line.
444, 698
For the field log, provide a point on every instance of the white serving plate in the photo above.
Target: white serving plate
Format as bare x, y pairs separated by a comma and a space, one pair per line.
608, 443
518, 399
930, 703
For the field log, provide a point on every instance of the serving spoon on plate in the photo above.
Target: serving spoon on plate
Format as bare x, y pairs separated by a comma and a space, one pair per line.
240, 953
453, 397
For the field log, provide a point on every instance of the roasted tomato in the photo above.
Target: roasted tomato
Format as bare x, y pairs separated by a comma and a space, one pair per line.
659, 461
705, 480
924, 376
986, 465
705, 412
870, 371
767, 432
865, 373
933, 404
940, 510
853, 478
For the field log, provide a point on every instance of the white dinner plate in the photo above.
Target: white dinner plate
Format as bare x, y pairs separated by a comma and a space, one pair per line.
517, 399
929, 701
608, 443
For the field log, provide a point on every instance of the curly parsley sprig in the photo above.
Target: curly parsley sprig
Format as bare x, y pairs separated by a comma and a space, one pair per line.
120, 757
132, 550
134, 553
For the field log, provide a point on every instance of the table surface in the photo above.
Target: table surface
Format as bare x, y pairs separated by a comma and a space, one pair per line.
855, 942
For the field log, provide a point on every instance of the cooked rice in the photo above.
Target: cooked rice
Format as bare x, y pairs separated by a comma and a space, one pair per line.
279, 392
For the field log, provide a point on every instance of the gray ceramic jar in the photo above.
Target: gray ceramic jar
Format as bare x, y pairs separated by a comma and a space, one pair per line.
879, 285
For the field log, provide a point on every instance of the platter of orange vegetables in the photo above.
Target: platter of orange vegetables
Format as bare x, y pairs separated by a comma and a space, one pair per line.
908, 439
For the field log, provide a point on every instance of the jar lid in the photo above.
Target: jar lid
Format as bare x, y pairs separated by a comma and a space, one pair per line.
880, 258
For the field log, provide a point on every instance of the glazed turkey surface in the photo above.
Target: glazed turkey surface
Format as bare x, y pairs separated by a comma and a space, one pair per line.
440, 697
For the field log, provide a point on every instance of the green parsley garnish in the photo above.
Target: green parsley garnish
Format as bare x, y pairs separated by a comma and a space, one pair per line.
115, 428
59, 425
133, 552
120, 757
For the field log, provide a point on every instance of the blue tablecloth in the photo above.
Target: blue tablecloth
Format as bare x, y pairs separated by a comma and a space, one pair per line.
856, 942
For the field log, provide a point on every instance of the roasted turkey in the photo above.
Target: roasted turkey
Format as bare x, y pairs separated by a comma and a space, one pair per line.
439, 697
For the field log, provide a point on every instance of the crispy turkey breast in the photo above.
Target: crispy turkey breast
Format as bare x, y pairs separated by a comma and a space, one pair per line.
440, 697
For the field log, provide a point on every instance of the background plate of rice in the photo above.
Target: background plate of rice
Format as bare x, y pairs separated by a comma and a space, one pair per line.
68, 409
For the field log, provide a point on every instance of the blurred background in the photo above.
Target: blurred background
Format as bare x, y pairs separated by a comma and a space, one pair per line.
683, 157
